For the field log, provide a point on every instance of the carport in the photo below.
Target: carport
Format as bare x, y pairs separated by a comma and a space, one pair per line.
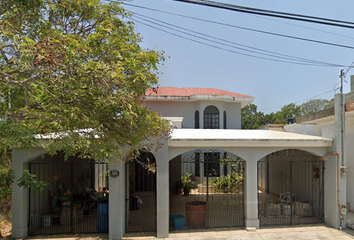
249, 145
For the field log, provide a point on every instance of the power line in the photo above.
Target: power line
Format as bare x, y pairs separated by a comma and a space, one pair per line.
221, 48
310, 28
301, 100
254, 50
263, 12
232, 51
243, 28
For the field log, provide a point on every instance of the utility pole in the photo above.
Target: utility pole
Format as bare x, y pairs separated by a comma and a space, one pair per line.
342, 116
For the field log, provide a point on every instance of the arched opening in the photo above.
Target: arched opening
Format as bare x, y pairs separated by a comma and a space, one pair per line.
211, 118
75, 199
140, 194
290, 188
206, 190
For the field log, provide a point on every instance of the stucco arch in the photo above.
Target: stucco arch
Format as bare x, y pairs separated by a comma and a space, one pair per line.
247, 154
174, 152
27, 155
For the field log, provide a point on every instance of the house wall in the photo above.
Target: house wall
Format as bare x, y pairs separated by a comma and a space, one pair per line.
117, 200
310, 129
350, 163
186, 109
330, 183
20, 196
175, 109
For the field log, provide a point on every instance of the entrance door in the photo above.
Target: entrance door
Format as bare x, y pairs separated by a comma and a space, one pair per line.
75, 199
206, 190
290, 192
141, 194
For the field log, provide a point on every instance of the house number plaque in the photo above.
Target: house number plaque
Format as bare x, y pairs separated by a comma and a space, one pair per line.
114, 173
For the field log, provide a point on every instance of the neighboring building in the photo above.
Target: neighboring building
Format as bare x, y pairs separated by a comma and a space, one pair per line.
228, 177
273, 127
328, 123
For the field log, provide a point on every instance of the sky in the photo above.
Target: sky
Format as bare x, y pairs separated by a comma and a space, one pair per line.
272, 83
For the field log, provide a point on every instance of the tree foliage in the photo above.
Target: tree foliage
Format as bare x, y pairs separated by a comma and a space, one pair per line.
253, 119
6, 175
314, 105
73, 70
285, 113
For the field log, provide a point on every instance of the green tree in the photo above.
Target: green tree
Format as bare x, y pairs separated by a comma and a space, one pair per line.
74, 69
6, 175
251, 118
286, 112
314, 105
268, 118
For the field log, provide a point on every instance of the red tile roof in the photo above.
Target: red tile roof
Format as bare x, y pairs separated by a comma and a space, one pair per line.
186, 92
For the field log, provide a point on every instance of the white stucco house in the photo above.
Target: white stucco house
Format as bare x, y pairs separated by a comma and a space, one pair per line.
209, 174
328, 122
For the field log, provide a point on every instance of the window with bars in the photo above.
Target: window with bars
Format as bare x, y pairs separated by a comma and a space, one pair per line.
211, 118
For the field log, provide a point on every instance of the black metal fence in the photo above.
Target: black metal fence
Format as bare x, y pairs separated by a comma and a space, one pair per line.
290, 190
141, 194
206, 190
75, 199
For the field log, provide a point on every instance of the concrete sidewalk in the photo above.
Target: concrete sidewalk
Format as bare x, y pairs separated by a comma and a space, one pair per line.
286, 233
315, 232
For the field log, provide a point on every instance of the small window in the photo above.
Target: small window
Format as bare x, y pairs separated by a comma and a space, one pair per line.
225, 120
196, 120
211, 118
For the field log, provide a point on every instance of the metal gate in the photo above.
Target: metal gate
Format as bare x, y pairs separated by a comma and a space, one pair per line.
76, 197
290, 189
140, 194
206, 190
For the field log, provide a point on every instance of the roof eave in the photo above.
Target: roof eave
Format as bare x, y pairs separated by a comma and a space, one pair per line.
250, 143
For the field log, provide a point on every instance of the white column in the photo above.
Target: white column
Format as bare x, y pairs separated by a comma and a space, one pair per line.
20, 208
162, 189
117, 201
251, 194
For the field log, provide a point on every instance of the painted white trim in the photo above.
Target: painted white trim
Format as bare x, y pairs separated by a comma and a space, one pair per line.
249, 143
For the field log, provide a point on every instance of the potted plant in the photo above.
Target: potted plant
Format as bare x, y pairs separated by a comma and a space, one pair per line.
187, 184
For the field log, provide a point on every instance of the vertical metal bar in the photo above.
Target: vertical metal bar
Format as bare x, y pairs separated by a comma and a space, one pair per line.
127, 197
267, 177
30, 205
71, 199
291, 193
244, 165
206, 159
322, 191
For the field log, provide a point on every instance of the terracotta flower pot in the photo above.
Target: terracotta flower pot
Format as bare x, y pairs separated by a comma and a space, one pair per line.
196, 214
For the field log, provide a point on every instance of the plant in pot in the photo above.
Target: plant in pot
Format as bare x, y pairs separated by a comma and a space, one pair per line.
230, 182
187, 184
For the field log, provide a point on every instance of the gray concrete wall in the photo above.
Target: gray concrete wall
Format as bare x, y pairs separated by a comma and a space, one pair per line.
308, 129
330, 183
350, 162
